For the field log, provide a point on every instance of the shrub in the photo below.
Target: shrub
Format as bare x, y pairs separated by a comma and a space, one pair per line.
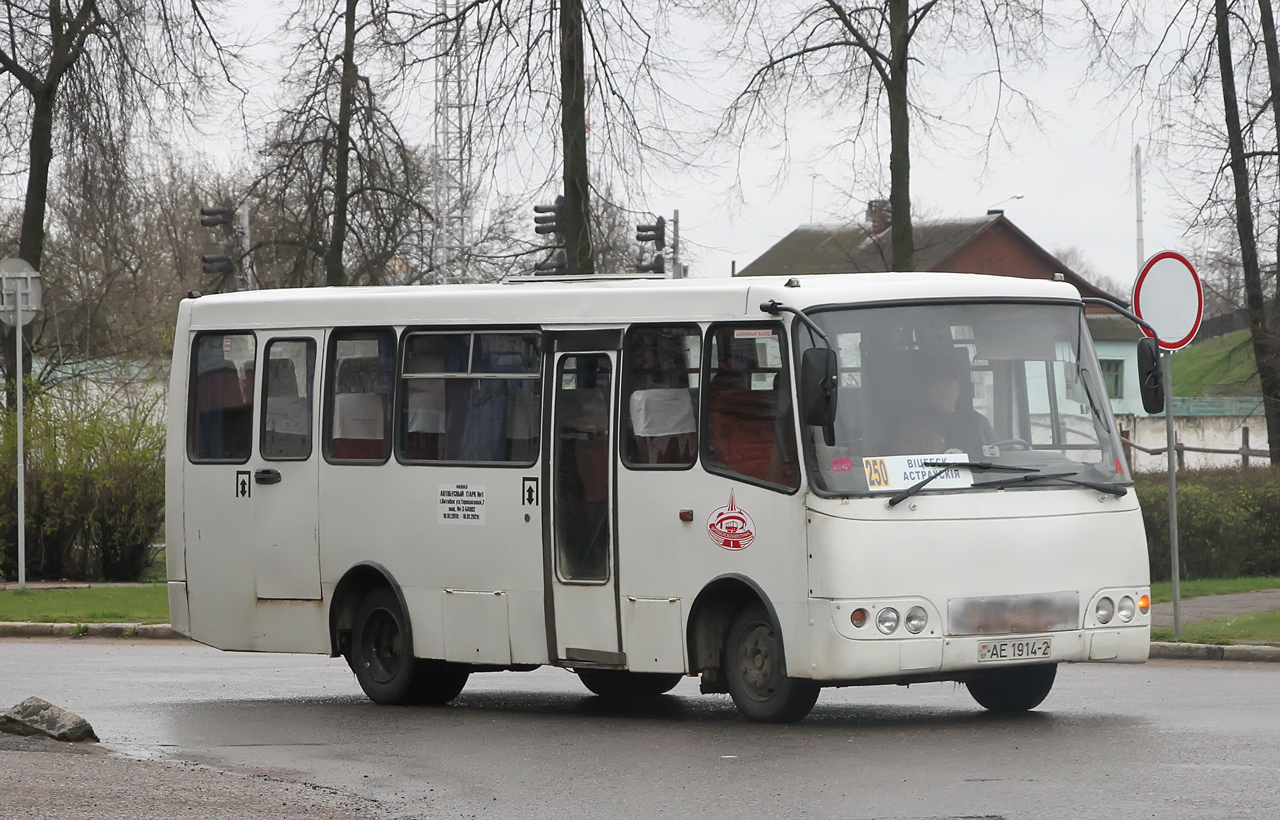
95, 484
1228, 522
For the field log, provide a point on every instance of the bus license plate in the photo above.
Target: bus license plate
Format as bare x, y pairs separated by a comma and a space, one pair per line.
1016, 650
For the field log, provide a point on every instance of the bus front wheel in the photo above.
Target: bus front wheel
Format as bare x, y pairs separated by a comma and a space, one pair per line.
380, 656
1014, 689
616, 683
755, 671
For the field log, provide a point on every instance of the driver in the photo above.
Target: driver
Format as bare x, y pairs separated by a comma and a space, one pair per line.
937, 421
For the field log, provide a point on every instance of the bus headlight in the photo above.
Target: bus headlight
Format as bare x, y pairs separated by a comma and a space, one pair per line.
916, 620
1105, 610
1126, 609
887, 620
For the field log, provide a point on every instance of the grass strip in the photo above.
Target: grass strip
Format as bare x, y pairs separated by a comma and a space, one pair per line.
1162, 591
92, 605
1254, 627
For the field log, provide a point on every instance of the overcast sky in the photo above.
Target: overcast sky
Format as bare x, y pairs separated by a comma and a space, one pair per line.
1068, 184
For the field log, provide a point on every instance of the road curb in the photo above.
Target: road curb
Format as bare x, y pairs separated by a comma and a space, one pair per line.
27, 629
1214, 652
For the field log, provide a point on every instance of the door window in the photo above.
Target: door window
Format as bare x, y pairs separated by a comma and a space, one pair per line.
582, 486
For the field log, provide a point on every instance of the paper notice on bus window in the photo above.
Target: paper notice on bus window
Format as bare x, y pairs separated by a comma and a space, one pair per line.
894, 473
753, 333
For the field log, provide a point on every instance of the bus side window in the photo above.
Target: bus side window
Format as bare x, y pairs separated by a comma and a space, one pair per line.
220, 418
750, 426
660, 396
470, 397
286, 399
361, 364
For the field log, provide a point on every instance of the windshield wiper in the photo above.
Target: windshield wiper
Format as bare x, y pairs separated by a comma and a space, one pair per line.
982, 466
1113, 489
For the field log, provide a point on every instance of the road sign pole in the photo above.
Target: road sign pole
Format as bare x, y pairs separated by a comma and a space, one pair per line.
1168, 295
1171, 451
22, 479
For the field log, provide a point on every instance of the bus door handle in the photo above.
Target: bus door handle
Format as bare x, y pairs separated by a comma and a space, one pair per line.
268, 476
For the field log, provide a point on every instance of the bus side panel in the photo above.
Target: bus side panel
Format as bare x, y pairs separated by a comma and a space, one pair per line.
661, 556
440, 547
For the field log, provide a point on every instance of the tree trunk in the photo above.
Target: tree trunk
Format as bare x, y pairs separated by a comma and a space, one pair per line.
900, 231
1255, 300
573, 126
31, 238
334, 274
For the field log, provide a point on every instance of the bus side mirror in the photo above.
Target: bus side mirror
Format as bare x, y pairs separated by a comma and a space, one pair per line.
1150, 378
819, 378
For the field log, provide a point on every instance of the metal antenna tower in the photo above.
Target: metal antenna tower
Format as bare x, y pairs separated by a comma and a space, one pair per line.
452, 148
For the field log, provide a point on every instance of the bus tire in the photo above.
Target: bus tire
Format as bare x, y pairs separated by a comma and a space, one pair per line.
1013, 689
616, 683
437, 682
382, 661
755, 671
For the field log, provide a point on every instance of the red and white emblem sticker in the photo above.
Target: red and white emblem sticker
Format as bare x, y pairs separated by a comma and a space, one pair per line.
730, 527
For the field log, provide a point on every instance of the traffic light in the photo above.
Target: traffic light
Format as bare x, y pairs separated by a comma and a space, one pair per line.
657, 265
655, 233
216, 264
550, 218
219, 217
555, 263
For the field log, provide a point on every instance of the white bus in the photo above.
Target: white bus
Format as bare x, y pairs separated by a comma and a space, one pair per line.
774, 484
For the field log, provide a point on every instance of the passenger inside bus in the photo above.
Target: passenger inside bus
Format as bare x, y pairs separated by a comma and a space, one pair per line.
940, 415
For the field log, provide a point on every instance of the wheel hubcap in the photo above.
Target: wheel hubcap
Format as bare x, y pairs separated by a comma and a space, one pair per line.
383, 646
757, 663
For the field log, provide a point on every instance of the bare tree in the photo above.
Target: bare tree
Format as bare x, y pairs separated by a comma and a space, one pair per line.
862, 59
1210, 70
78, 76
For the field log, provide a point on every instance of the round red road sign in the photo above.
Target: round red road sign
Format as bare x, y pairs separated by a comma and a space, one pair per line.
1167, 295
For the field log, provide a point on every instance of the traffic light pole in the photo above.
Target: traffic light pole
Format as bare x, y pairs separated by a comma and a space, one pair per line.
676, 271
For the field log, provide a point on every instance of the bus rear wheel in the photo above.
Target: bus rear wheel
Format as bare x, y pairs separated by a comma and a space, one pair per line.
436, 682
1014, 689
755, 671
382, 657
616, 683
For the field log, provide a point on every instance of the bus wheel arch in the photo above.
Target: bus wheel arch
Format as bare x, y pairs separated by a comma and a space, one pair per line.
710, 618
358, 582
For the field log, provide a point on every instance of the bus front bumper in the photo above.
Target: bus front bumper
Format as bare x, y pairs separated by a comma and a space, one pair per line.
836, 657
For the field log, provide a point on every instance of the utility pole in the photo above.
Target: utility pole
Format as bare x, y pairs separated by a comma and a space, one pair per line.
573, 128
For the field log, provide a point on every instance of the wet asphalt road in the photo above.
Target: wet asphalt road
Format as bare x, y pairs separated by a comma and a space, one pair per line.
1168, 739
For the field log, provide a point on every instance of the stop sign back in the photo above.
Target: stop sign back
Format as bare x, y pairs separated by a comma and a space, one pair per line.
1167, 295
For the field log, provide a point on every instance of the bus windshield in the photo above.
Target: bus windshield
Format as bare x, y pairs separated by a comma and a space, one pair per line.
1015, 386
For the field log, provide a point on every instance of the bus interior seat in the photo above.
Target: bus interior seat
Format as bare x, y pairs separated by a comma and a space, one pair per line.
743, 420
665, 425
286, 430
224, 413
359, 410
424, 418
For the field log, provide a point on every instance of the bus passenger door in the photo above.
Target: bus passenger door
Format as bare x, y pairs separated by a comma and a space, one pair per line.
583, 571
284, 469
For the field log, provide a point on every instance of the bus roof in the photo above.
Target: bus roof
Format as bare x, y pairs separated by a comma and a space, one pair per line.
601, 301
